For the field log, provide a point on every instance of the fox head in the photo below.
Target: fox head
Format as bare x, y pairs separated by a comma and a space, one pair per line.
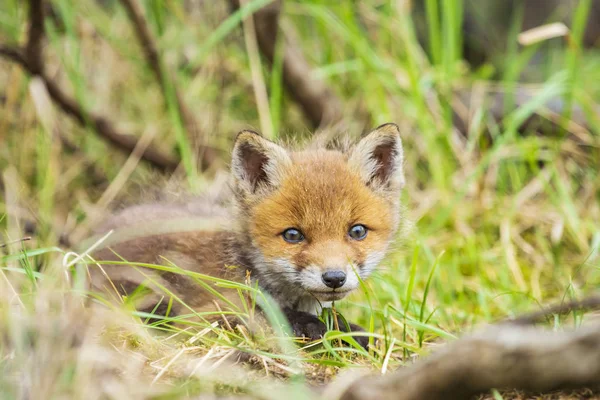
317, 220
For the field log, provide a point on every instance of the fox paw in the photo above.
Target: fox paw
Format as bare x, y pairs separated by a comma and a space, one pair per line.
307, 326
362, 340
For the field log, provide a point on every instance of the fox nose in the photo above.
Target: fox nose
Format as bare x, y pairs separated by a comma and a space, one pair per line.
334, 279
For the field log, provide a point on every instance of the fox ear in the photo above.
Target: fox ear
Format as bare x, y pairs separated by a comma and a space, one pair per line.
257, 163
378, 158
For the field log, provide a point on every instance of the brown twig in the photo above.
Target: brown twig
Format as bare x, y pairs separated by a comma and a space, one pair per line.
31, 60
588, 303
507, 356
318, 102
25, 239
15, 55
504, 357
136, 15
35, 41
124, 142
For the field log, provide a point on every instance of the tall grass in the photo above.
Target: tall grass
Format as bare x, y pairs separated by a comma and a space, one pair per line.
501, 220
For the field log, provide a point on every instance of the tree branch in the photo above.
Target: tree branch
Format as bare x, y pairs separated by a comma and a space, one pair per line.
15, 55
588, 303
503, 357
318, 102
31, 60
136, 15
34, 53
124, 142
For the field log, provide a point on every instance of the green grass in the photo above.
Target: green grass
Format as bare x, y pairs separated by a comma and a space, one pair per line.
498, 222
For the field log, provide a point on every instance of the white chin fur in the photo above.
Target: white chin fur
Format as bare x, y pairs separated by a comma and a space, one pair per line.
311, 294
330, 296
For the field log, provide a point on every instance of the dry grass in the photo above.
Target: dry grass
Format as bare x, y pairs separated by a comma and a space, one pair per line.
501, 220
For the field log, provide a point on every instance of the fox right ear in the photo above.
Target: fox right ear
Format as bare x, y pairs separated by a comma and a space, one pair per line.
378, 158
257, 163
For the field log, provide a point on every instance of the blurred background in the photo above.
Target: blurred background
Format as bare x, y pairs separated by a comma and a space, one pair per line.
498, 103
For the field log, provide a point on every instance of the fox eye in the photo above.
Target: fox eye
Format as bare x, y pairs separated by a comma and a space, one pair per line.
292, 235
358, 232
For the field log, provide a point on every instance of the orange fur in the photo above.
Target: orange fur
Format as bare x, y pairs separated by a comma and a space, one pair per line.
324, 219
322, 193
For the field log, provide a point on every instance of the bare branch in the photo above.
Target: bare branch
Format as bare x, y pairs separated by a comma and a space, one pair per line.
15, 55
504, 357
31, 60
35, 42
106, 129
25, 239
101, 124
588, 303
319, 103
136, 15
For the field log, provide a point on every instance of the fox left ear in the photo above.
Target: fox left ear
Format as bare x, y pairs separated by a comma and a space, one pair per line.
257, 164
378, 158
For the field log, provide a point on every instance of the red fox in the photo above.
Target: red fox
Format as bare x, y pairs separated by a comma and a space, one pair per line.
305, 225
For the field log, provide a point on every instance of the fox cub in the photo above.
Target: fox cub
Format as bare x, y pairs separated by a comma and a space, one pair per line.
303, 225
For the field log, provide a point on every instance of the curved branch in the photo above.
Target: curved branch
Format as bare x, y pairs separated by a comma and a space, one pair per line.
136, 15
35, 41
319, 103
588, 303
15, 55
504, 357
31, 60
100, 123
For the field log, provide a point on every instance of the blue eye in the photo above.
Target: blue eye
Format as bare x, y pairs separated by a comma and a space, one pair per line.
292, 235
358, 232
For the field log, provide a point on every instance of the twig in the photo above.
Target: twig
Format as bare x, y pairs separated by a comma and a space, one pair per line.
124, 142
319, 103
588, 303
15, 55
504, 357
136, 15
35, 41
31, 60
25, 239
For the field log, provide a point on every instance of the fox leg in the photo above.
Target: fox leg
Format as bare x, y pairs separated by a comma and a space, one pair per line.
309, 326
305, 324
362, 340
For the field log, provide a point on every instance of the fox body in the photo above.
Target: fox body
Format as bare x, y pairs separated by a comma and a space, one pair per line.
305, 226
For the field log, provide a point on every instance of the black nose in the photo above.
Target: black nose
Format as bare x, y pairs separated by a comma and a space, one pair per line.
334, 279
